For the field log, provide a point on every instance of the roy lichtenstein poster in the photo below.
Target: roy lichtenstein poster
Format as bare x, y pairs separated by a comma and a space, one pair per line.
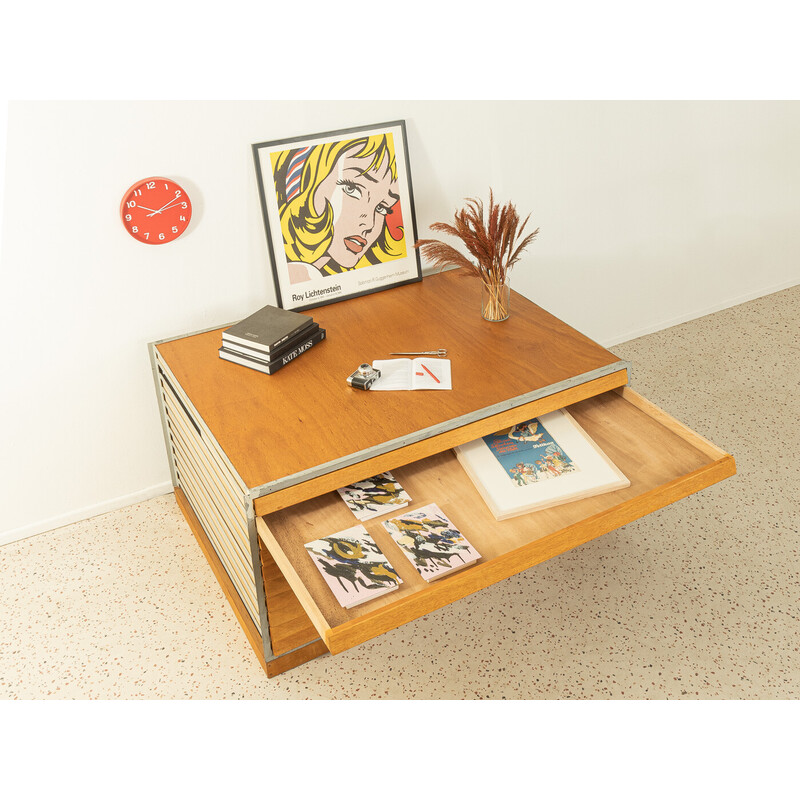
338, 213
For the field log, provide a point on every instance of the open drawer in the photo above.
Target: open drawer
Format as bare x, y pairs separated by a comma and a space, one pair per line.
664, 460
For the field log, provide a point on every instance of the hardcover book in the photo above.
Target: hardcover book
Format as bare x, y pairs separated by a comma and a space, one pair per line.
353, 566
295, 339
374, 496
269, 367
431, 542
267, 328
536, 464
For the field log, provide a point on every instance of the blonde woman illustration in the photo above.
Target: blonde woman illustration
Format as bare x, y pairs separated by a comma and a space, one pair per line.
339, 206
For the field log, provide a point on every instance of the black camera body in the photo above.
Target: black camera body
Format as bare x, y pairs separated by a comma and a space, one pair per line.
363, 377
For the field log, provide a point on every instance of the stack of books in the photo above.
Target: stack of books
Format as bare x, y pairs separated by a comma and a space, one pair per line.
270, 339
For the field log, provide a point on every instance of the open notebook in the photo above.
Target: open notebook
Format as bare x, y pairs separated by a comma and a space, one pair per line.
405, 373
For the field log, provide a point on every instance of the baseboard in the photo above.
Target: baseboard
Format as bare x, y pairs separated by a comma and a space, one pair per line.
80, 514
704, 312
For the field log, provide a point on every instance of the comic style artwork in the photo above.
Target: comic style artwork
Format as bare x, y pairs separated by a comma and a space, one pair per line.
431, 542
529, 454
338, 213
353, 566
380, 494
339, 206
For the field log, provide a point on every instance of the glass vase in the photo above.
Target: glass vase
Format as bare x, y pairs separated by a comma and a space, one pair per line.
495, 301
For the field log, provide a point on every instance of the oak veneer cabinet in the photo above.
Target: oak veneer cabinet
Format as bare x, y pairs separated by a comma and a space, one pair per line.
256, 459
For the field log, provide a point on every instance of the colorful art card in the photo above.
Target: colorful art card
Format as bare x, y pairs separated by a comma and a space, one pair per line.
380, 494
353, 566
431, 542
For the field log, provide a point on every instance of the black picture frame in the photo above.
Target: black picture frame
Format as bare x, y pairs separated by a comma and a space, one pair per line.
338, 211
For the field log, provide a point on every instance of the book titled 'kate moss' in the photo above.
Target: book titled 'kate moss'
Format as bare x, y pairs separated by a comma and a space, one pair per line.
267, 329
353, 566
267, 365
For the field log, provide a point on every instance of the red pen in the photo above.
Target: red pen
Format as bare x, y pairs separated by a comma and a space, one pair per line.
430, 373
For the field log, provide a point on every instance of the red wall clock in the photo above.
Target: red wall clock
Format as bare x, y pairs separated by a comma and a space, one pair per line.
155, 210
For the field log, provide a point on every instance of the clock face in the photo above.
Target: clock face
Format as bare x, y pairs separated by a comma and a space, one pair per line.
155, 211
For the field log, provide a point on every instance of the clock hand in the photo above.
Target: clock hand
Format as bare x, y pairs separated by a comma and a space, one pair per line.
147, 209
165, 208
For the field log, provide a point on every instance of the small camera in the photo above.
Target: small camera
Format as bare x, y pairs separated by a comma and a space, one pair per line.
363, 377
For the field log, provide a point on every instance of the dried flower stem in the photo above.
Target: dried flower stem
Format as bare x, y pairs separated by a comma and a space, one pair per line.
494, 301
492, 241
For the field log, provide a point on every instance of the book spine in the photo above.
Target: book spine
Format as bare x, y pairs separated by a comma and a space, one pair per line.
285, 359
243, 361
274, 360
266, 348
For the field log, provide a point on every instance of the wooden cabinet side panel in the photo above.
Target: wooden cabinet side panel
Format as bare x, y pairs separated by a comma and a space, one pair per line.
296, 657
285, 661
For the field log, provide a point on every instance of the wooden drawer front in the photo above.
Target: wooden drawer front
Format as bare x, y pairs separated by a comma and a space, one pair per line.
664, 460
483, 424
214, 493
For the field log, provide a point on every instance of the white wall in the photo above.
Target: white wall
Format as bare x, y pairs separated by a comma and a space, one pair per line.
650, 213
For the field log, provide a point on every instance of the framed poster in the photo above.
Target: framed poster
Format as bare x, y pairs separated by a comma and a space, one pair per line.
339, 214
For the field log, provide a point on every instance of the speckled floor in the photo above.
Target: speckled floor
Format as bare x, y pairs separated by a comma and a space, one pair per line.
698, 600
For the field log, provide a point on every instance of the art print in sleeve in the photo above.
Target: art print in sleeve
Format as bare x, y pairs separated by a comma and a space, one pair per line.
529, 454
339, 206
431, 542
353, 566
374, 496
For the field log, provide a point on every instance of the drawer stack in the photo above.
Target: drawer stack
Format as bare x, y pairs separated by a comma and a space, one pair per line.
214, 490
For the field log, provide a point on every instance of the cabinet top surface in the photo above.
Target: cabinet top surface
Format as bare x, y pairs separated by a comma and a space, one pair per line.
275, 426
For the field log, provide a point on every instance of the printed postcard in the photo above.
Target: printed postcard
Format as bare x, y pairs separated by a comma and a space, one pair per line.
380, 494
353, 566
431, 542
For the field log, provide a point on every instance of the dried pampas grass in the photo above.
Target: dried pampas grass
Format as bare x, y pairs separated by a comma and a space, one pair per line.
492, 241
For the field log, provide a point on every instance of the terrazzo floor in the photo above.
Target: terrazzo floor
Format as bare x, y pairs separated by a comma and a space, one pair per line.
699, 600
